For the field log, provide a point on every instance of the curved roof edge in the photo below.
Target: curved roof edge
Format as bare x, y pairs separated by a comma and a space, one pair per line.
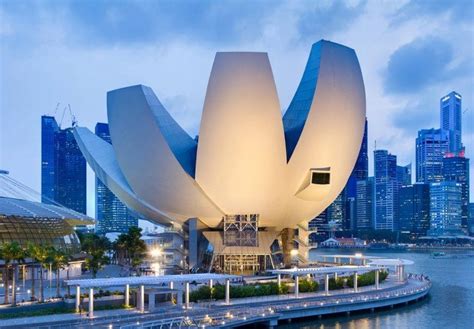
101, 157
183, 147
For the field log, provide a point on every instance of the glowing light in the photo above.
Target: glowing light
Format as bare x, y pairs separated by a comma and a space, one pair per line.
358, 254
155, 252
294, 252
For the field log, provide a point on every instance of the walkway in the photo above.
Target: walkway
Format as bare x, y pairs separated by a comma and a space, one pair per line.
239, 312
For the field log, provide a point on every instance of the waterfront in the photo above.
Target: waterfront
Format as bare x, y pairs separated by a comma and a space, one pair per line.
451, 302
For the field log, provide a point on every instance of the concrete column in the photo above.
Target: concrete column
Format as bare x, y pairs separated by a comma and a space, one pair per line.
211, 284
335, 276
355, 281
127, 295
297, 286
377, 279
326, 284
186, 295
78, 298
91, 302
350, 261
171, 285
402, 272
227, 291
279, 279
142, 299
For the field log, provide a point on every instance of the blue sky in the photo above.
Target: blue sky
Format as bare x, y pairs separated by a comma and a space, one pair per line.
411, 53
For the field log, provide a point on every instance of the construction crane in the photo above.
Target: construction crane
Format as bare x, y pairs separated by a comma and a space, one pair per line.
72, 116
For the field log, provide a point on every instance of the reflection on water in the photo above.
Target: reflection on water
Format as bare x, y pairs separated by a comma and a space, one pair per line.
450, 305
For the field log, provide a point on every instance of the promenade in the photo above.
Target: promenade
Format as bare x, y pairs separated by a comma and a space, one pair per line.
266, 310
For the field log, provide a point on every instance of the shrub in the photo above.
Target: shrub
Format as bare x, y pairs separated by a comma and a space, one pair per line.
306, 285
336, 284
218, 291
366, 279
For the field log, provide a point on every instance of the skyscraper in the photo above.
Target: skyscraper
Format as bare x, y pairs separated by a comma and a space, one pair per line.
112, 215
456, 169
445, 208
431, 146
49, 128
386, 190
414, 209
404, 175
63, 167
364, 204
450, 119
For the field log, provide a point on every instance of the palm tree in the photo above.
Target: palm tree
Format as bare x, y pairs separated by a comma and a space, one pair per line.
12, 253
59, 260
95, 246
40, 254
4, 255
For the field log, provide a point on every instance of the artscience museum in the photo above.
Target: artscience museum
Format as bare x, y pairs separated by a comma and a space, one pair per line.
246, 188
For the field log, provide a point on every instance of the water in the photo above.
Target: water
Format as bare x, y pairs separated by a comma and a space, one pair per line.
450, 305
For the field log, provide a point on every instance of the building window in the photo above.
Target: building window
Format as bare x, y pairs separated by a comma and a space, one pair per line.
320, 178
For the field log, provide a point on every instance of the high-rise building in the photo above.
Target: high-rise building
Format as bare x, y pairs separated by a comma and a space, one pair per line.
361, 167
414, 208
431, 146
404, 175
456, 168
450, 119
49, 129
470, 223
445, 208
386, 190
112, 215
364, 204
63, 166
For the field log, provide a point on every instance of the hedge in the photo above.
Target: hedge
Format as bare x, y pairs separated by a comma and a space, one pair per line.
306, 285
366, 279
336, 284
218, 291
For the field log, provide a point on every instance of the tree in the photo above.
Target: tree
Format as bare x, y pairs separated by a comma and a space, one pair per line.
136, 247
13, 254
130, 249
40, 254
95, 246
59, 260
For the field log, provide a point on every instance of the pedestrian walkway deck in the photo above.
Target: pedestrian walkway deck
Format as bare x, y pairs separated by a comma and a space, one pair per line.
268, 309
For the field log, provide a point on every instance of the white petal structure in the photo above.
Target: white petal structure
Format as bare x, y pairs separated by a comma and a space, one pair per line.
247, 159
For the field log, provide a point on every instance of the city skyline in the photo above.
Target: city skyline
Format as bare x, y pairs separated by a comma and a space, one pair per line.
397, 107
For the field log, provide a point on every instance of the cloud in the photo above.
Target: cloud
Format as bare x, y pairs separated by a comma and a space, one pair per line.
459, 11
320, 19
417, 65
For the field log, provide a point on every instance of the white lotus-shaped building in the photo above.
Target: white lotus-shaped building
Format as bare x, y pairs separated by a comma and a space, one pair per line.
247, 159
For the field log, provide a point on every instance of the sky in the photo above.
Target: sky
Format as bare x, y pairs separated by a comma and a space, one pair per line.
72, 52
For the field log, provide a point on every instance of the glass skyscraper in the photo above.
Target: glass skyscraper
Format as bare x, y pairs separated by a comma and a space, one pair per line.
456, 168
445, 208
49, 129
364, 204
112, 215
450, 119
386, 190
431, 146
63, 167
414, 208
404, 175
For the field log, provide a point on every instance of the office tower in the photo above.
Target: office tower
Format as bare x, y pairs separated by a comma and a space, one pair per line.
456, 168
445, 208
470, 223
414, 208
112, 215
361, 167
364, 204
49, 128
386, 190
63, 167
404, 175
450, 119
431, 146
